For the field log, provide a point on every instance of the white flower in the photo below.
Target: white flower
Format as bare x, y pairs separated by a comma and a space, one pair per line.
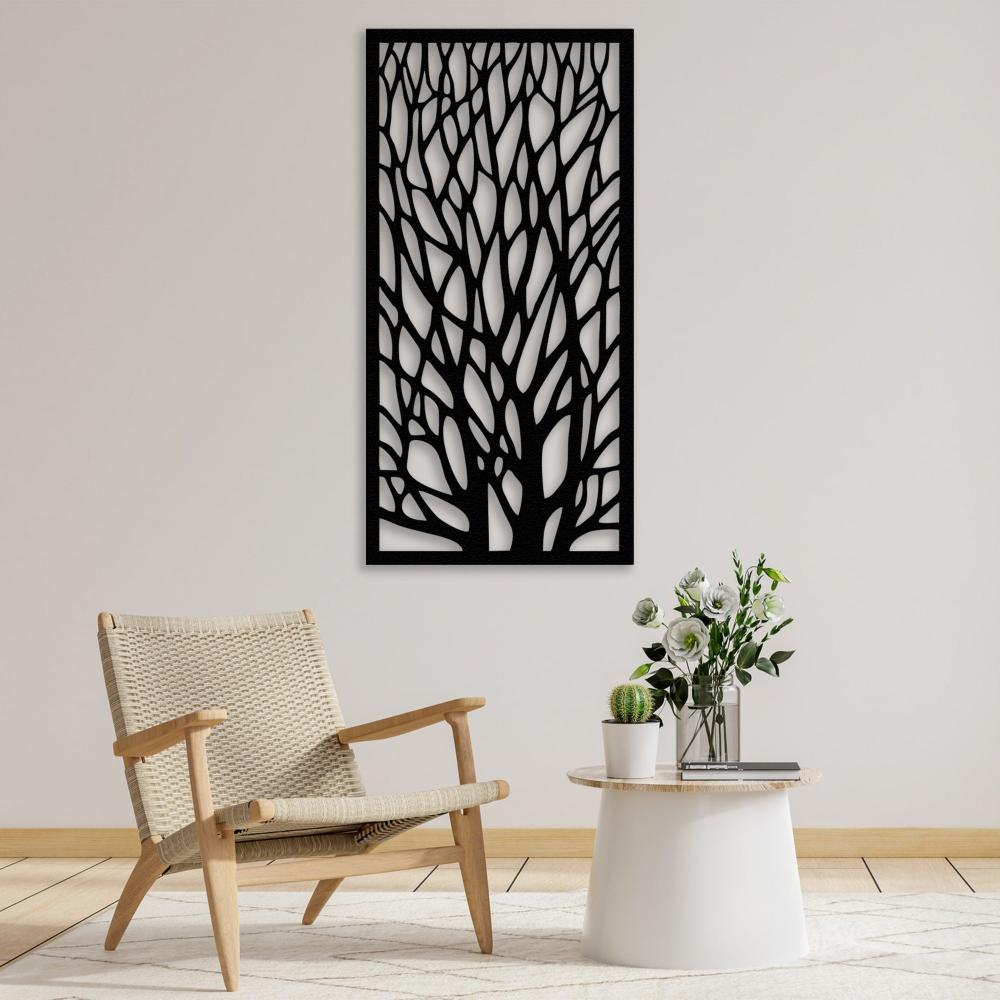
686, 638
694, 583
768, 608
648, 614
720, 602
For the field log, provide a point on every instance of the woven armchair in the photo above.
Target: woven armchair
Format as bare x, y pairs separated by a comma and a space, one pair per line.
235, 750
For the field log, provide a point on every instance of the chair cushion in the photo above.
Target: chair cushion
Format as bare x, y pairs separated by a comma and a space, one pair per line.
338, 825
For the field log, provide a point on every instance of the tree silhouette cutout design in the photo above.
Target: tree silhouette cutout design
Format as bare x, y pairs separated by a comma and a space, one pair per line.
499, 298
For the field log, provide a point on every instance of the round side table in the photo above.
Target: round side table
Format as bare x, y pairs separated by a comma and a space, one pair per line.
693, 874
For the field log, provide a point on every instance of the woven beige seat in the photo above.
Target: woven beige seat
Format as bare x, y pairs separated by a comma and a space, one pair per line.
277, 778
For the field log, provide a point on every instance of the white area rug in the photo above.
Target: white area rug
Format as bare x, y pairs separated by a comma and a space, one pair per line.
401, 946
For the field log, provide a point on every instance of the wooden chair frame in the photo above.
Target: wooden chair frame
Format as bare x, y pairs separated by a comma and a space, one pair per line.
217, 842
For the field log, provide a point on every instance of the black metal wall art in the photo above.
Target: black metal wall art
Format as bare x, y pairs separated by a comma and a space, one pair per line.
499, 296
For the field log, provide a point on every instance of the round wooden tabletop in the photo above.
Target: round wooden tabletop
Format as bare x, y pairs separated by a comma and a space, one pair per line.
668, 779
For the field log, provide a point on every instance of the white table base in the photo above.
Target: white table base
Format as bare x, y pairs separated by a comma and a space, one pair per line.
694, 880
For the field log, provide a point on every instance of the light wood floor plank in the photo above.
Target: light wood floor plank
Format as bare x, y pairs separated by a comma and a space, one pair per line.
25, 878
981, 878
916, 875
384, 881
4, 862
405, 881
962, 863
553, 875
836, 880
831, 863
193, 880
499, 871
36, 919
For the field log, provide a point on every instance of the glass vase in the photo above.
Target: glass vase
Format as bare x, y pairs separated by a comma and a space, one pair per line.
708, 726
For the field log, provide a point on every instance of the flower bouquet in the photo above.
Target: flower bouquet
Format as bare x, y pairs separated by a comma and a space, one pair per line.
717, 639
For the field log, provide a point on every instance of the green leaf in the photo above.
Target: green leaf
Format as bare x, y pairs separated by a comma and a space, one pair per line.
715, 635
767, 666
747, 655
679, 692
776, 575
781, 655
640, 671
779, 627
661, 679
744, 676
658, 698
656, 652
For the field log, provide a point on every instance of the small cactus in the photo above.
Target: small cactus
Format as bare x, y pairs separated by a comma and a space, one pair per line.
631, 703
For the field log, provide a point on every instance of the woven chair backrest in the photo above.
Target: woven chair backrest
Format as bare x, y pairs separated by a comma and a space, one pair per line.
268, 671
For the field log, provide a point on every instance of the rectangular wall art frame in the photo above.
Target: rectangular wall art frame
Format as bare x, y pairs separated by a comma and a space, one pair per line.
499, 198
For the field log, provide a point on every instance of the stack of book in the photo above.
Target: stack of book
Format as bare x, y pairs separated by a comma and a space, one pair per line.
739, 770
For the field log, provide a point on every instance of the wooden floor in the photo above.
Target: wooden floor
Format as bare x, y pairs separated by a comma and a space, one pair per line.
42, 897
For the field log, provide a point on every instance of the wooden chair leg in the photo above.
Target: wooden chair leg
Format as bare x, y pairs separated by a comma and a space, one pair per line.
147, 870
218, 863
322, 893
320, 897
219, 869
467, 828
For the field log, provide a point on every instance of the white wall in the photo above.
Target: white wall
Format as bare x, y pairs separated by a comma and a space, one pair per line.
817, 306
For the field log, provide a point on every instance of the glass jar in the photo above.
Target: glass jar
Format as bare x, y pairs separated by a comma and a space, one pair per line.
708, 726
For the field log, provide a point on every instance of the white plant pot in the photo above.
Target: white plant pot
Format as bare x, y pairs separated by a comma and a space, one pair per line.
630, 748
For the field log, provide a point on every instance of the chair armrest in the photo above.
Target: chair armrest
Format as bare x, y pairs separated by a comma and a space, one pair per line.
396, 725
166, 734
